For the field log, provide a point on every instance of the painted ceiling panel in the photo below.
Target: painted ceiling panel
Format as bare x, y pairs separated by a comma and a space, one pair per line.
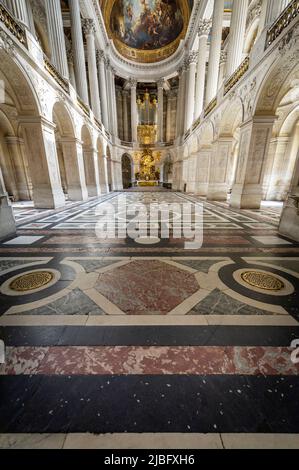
146, 30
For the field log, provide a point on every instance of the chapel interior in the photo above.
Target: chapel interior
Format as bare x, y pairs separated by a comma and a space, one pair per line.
148, 341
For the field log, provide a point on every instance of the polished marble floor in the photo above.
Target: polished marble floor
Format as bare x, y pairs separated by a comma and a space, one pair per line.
146, 336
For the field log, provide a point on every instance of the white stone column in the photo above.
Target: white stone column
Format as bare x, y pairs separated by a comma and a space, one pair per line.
74, 168
7, 221
215, 49
108, 94
40, 143
203, 33
78, 49
56, 36
160, 126
255, 136
190, 90
168, 115
103, 87
177, 129
180, 104
125, 115
133, 84
113, 100
236, 36
89, 31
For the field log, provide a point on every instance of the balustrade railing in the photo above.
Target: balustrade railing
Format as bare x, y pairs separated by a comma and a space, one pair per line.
286, 17
56, 75
209, 108
12, 25
237, 75
83, 106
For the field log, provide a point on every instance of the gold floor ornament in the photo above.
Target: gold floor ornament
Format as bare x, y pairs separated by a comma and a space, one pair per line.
31, 281
264, 281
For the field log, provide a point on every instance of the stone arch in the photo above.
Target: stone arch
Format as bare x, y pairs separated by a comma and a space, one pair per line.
18, 85
284, 149
277, 83
19, 101
251, 35
232, 117
275, 91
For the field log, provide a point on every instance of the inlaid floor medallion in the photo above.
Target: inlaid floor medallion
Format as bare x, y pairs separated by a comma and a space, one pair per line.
261, 280
31, 281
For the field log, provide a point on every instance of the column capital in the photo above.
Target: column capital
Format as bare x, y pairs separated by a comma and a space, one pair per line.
204, 27
191, 58
88, 26
133, 83
161, 83
100, 55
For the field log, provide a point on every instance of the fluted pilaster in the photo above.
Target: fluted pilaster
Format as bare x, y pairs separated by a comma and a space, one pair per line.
19, 10
236, 36
160, 85
56, 36
190, 89
203, 33
133, 84
125, 115
78, 49
103, 87
215, 49
89, 31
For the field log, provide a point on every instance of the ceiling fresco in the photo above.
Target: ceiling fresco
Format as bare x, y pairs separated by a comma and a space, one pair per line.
146, 30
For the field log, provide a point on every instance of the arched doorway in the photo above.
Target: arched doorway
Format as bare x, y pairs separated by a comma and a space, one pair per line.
126, 166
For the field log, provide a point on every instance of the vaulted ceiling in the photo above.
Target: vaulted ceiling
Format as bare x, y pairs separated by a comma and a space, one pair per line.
146, 31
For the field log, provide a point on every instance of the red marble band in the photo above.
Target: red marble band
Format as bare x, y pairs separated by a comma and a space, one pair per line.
134, 360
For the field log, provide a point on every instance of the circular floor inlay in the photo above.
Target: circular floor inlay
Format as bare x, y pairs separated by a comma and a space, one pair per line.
31, 281
264, 281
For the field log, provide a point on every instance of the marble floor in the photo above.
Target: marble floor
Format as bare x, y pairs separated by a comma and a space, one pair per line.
125, 343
